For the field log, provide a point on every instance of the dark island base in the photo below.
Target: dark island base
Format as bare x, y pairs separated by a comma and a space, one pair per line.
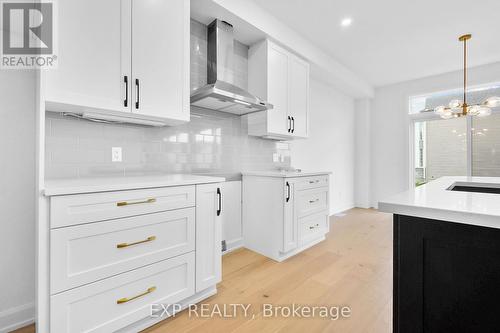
446, 277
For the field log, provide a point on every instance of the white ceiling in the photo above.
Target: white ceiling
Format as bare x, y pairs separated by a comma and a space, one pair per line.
391, 41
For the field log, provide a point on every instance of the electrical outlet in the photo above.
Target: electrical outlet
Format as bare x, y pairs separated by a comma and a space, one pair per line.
116, 154
282, 158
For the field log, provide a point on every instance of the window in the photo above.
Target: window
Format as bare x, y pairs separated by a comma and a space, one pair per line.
455, 147
486, 146
440, 149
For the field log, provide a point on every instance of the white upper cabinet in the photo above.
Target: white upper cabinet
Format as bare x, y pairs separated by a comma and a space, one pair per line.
130, 62
277, 76
93, 54
299, 95
282, 79
160, 58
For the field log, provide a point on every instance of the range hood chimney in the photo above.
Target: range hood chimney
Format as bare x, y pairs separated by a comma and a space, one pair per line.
220, 93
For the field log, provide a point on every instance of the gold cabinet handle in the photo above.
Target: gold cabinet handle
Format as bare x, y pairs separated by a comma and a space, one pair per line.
313, 201
122, 245
314, 226
126, 203
128, 299
314, 181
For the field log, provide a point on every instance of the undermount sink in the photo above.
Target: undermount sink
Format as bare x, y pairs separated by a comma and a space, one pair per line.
475, 187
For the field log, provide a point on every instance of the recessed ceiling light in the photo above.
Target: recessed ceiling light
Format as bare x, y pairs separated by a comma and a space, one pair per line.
346, 22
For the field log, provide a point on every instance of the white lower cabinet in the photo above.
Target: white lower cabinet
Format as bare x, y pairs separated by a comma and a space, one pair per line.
114, 303
113, 254
312, 227
208, 235
94, 251
283, 216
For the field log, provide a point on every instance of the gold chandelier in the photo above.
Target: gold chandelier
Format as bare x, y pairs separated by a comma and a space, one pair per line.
458, 108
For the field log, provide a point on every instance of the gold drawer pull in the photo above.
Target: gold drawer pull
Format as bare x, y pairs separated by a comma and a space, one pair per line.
126, 203
128, 299
314, 226
149, 239
314, 181
313, 201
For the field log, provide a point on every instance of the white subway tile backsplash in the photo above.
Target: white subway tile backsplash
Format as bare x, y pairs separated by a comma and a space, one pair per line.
204, 145
212, 142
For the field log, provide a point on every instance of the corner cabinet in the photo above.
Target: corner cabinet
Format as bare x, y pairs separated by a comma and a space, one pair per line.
283, 216
281, 78
131, 62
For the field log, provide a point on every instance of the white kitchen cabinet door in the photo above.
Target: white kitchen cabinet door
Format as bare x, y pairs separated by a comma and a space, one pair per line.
94, 55
231, 224
281, 78
160, 58
299, 95
208, 235
277, 91
290, 232
109, 305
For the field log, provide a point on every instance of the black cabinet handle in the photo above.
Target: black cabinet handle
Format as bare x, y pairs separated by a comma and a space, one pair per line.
219, 208
289, 123
125, 102
293, 124
137, 97
288, 191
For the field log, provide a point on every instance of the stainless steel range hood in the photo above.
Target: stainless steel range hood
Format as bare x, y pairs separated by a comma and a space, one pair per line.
220, 93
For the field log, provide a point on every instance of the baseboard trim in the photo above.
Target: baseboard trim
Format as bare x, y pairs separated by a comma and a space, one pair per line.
233, 245
17, 317
341, 210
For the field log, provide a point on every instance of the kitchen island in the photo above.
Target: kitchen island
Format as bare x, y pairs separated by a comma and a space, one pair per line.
447, 256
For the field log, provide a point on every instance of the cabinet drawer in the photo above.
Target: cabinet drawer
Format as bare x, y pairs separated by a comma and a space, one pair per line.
113, 303
90, 252
312, 182
85, 208
313, 227
311, 201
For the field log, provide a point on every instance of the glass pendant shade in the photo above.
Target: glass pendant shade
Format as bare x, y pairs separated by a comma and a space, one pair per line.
483, 111
473, 110
479, 111
448, 115
440, 110
493, 102
455, 104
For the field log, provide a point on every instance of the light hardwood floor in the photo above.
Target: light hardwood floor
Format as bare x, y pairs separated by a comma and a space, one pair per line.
353, 267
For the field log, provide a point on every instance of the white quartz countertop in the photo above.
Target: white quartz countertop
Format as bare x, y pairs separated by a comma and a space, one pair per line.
105, 184
434, 201
284, 174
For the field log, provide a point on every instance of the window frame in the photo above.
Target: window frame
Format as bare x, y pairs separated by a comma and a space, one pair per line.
429, 116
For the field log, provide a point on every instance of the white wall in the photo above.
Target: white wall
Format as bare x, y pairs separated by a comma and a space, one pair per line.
362, 157
330, 146
389, 123
17, 198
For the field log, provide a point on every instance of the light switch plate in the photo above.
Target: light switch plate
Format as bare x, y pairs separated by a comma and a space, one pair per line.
276, 157
116, 154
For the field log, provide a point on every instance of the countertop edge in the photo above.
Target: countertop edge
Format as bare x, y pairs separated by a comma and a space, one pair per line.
279, 175
71, 190
468, 218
